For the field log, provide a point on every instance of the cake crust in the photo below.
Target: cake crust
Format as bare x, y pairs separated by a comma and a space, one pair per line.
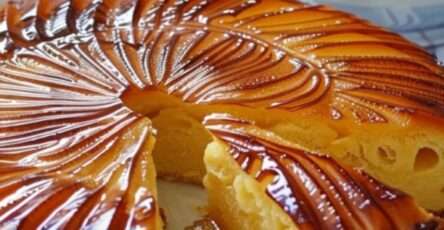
75, 74
314, 190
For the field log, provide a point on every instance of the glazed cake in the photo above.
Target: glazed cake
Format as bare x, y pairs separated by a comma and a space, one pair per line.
303, 190
99, 96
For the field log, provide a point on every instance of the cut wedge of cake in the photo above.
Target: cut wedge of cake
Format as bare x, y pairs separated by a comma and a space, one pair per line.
257, 180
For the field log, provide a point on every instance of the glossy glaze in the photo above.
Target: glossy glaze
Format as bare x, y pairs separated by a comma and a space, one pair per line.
273, 54
315, 190
93, 178
66, 64
204, 224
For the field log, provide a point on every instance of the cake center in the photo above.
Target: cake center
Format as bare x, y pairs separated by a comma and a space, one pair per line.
180, 137
148, 101
178, 151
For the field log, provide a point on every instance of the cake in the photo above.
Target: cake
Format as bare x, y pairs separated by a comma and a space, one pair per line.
269, 183
292, 115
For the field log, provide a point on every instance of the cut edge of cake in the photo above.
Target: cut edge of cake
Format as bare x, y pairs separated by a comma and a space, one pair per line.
236, 200
250, 189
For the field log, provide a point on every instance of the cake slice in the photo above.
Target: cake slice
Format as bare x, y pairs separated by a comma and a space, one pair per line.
257, 180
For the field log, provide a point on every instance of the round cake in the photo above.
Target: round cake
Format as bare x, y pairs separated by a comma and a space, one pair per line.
291, 115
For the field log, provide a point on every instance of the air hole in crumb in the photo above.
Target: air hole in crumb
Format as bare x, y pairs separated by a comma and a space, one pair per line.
387, 155
426, 158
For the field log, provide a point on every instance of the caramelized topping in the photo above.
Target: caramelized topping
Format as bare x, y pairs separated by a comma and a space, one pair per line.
268, 54
66, 64
204, 224
316, 191
94, 180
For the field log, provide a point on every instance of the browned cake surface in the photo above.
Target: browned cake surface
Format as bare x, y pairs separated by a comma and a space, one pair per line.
316, 191
77, 78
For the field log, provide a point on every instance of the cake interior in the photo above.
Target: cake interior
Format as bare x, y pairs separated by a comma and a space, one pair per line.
237, 200
406, 157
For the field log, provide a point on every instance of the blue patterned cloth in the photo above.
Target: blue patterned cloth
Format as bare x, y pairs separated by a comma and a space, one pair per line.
419, 21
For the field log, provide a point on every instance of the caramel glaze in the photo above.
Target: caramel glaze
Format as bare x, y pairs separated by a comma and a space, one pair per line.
205, 223
268, 54
316, 191
65, 65
97, 182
